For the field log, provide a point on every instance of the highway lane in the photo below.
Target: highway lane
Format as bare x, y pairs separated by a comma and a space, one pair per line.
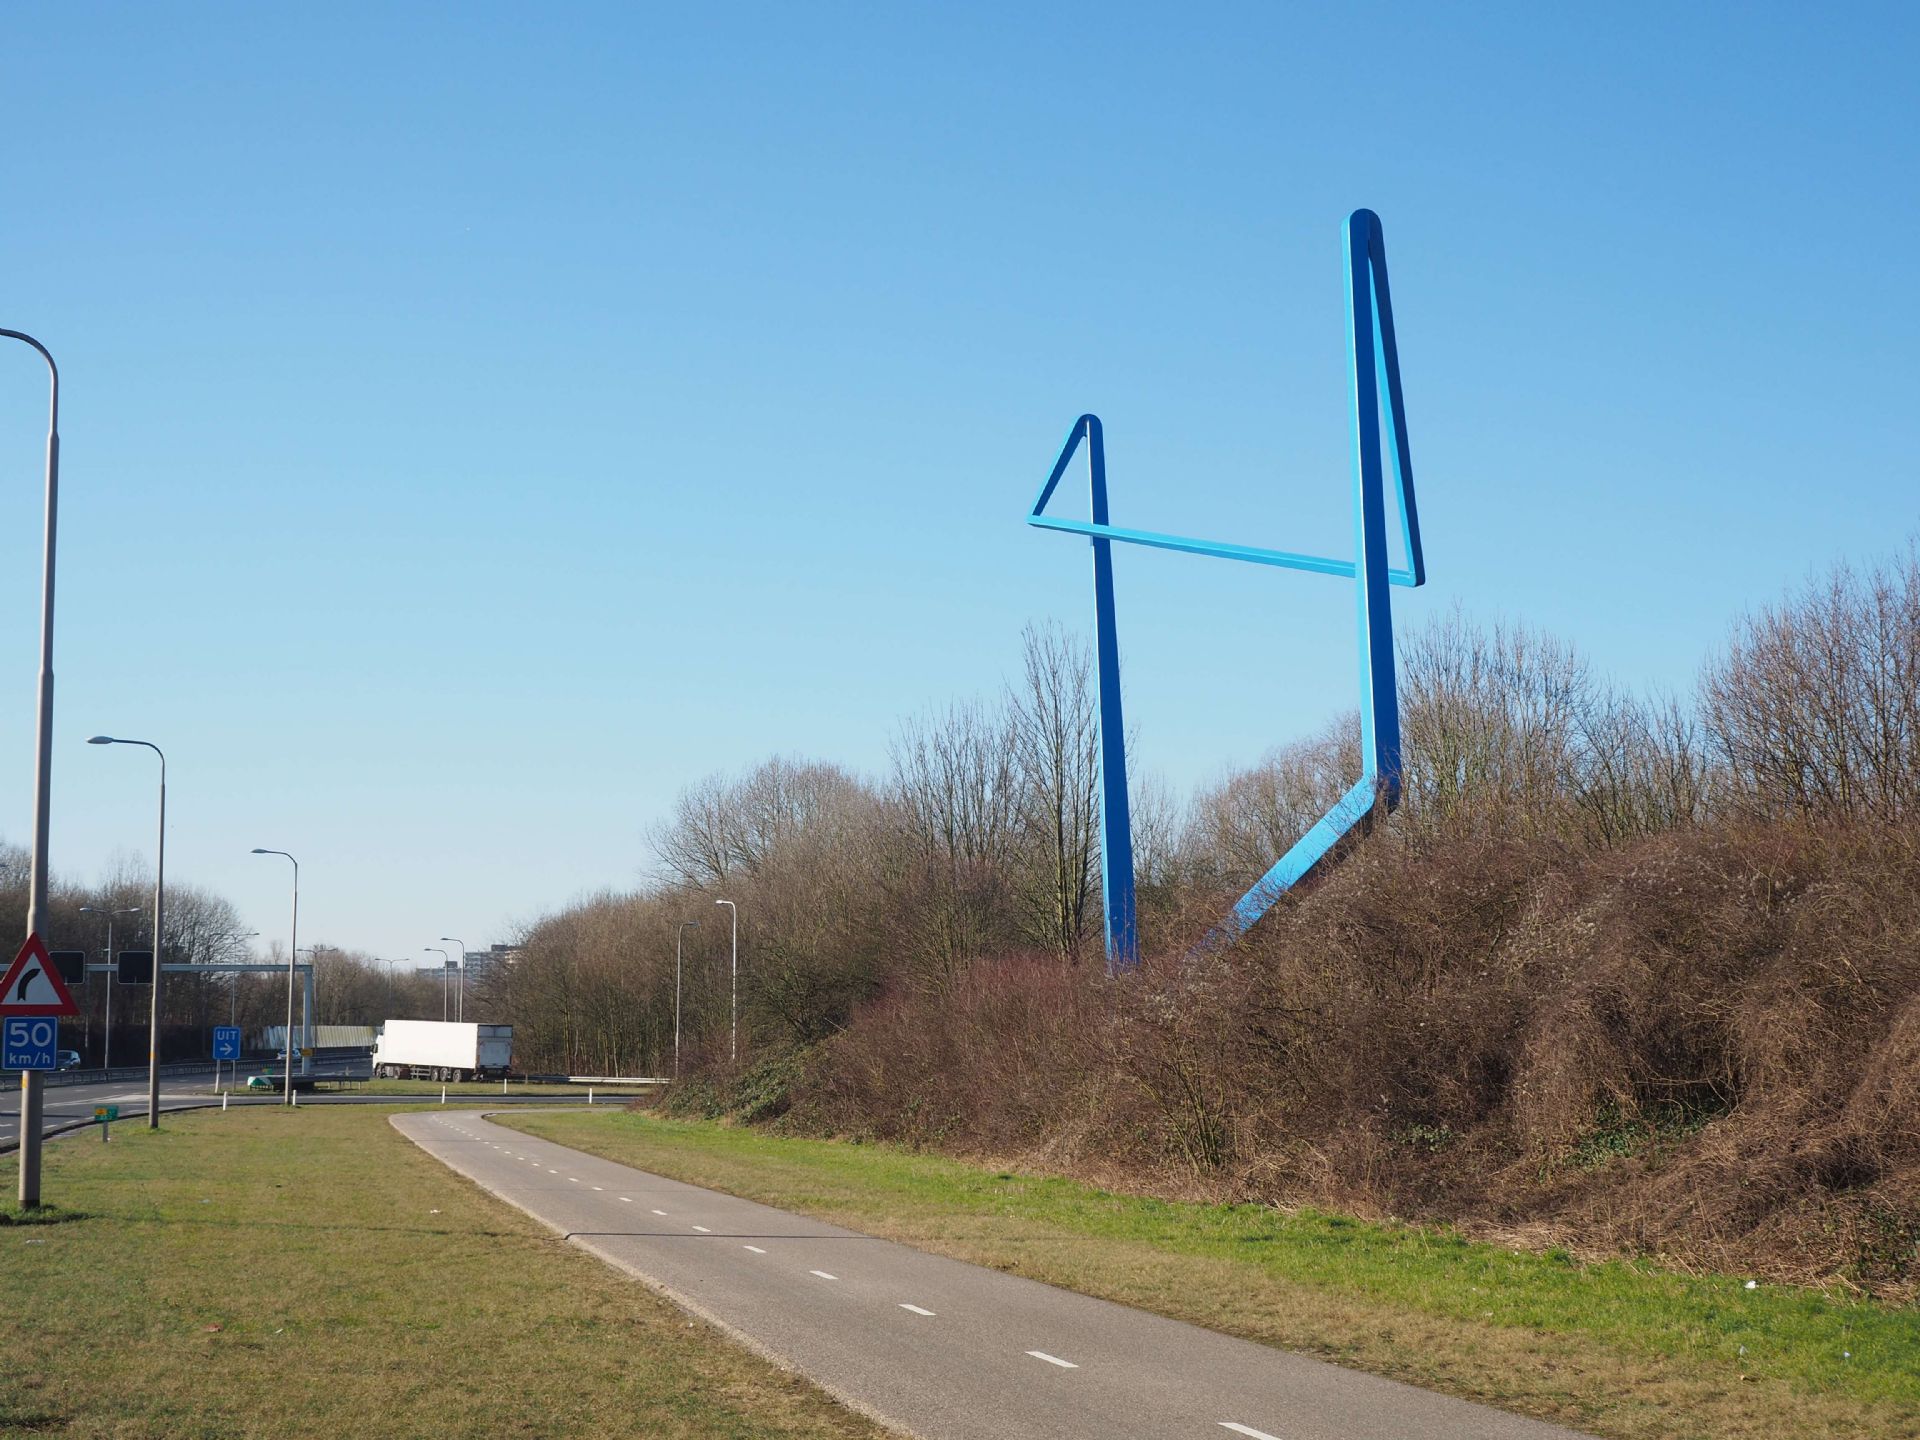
935, 1347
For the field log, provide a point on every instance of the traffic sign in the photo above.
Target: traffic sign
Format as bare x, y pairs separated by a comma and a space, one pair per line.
71, 966
32, 986
31, 1042
135, 967
106, 1112
226, 1042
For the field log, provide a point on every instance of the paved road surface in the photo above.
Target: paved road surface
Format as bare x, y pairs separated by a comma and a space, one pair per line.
64, 1104
934, 1347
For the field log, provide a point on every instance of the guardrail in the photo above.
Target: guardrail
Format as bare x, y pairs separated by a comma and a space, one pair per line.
118, 1072
613, 1079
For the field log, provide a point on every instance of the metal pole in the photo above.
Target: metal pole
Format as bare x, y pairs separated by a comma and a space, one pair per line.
460, 995
32, 1095
306, 1011
159, 953
159, 929
106, 1040
678, 936
733, 1048
293, 953
444, 963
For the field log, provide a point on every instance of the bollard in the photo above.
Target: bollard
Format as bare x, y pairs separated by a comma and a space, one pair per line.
503, 1084
295, 1094
223, 1104
589, 1094
443, 1094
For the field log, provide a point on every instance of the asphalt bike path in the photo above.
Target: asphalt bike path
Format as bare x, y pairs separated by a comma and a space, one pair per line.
933, 1347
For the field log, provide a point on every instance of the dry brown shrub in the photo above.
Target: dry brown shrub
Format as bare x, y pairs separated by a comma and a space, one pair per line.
1704, 1045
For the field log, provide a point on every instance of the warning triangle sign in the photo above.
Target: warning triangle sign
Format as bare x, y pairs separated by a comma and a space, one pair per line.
32, 986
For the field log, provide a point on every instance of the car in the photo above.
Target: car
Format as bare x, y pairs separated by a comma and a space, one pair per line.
67, 1060
260, 1082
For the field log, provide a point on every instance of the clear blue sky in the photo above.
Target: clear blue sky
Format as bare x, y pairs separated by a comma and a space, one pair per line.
483, 419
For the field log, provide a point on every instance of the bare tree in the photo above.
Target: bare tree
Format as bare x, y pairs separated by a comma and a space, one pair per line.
1055, 729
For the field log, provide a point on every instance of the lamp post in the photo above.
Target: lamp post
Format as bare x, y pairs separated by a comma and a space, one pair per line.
445, 962
106, 1039
31, 1086
733, 1045
678, 936
293, 946
460, 995
159, 930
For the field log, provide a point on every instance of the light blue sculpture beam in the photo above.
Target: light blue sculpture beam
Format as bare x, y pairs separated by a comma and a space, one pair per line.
1374, 363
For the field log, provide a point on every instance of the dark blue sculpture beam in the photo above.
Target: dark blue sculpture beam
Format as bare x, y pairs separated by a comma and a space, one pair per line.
1374, 360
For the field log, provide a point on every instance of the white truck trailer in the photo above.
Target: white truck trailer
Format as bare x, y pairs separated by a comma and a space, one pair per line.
442, 1050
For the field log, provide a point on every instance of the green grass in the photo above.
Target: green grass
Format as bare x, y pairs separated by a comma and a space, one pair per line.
274, 1273
1617, 1348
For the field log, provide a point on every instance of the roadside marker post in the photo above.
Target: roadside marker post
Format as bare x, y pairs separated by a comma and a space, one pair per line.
106, 1115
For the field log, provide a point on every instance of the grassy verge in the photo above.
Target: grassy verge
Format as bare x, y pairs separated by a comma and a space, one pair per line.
267, 1273
1617, 1349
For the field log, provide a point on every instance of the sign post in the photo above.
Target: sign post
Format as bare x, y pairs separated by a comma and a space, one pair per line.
33, 997
226, 1046
106, 1115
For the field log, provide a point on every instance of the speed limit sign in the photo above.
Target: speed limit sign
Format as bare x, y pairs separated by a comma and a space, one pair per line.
31, 1042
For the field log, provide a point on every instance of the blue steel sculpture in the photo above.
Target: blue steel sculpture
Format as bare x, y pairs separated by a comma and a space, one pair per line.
1375, 365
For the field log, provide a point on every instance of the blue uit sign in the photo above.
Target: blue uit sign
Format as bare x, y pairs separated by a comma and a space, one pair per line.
31, 1042
226, 1042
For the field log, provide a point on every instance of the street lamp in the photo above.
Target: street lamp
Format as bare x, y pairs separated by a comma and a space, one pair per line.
445, 963
460, 996
31, 1085
106, 1040
733, 914
293, 944
678, 936
159, 930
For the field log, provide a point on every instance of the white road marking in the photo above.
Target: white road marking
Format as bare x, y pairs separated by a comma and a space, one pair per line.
914, 1308
1053, 1359
573, 1179
1247, 1430
703, 1229
659, 1212
823, 1275
552, 1171
599, 1187
627, 1198
755, 1249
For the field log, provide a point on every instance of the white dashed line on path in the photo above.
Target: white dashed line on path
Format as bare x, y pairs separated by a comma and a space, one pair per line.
659, 1212
914, 1308
754, 1248
1247, 1430
1053, 1359
823, 1275
703, 1229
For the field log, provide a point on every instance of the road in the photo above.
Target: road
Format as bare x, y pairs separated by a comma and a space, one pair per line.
935, 1347
64, 1104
